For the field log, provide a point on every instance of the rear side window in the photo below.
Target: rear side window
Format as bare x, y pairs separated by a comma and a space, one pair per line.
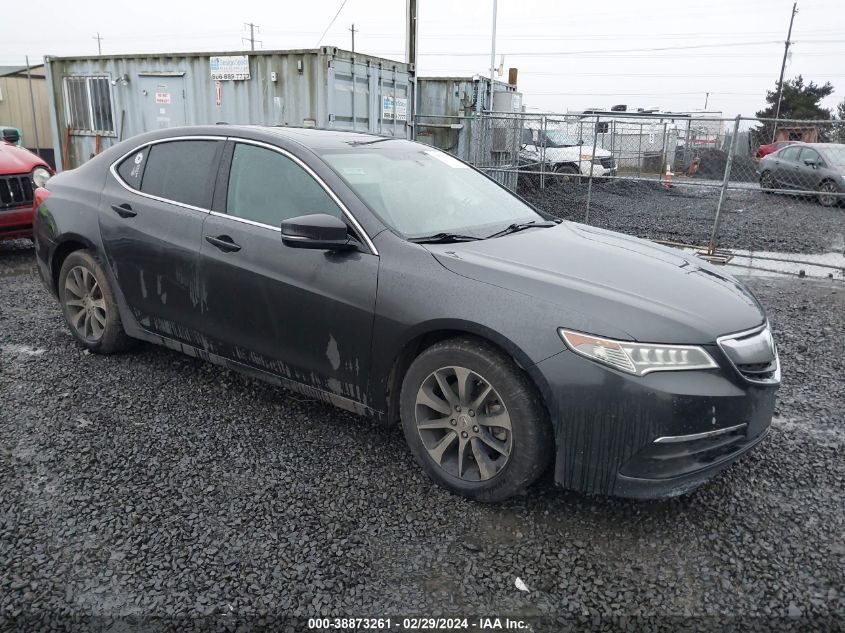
268, 187
181, 171
132, 168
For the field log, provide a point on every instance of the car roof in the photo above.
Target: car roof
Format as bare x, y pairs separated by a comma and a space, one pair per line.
309, 137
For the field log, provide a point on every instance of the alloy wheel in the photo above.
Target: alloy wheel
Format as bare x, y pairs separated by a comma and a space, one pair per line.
463, 423
827, 194
85, 303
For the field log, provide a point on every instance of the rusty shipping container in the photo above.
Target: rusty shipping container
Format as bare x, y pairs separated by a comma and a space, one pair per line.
97, 101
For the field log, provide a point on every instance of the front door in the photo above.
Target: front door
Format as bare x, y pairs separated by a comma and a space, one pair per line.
304, 315
151, 220
162, 101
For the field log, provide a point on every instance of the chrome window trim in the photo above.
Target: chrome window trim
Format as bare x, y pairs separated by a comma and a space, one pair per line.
672, 439
346, 212
775, 380
125, 185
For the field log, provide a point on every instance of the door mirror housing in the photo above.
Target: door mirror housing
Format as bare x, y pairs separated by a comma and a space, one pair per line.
11, 135
319, 231
810, 162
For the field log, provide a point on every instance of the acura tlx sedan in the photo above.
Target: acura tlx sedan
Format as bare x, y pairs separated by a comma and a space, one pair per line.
393, 280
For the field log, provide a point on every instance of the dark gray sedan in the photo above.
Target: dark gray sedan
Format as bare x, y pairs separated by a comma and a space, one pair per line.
817, 168
393, 280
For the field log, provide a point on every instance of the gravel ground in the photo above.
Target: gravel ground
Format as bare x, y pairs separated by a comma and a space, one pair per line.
751, 220
153, 485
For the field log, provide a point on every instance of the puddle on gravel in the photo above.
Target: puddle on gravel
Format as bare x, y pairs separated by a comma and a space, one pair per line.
775, 264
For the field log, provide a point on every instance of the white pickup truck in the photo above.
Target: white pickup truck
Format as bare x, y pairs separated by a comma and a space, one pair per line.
568, 159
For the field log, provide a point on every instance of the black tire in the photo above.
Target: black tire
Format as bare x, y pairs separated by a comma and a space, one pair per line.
107, 333
767, 182
565, 173
530, 437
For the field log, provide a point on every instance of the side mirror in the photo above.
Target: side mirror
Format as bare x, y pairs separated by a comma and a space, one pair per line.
810, 162
318, 230
11, 135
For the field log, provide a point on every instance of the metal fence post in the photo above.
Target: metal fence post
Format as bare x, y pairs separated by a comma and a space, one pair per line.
542, 140
723, 193
590, 182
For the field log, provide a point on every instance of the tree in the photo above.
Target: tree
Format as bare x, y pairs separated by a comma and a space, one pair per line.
799, 101
840, 124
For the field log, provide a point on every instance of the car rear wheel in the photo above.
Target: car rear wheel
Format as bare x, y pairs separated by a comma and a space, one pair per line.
474, 421
767, 181
88, 305
828, 193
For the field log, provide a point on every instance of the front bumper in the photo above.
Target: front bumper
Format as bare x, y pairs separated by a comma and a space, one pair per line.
16, 222
653, 436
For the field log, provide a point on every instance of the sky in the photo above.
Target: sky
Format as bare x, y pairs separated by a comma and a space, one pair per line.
570, 55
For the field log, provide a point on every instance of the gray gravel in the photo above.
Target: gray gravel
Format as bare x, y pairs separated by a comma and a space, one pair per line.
153, 485
751, 220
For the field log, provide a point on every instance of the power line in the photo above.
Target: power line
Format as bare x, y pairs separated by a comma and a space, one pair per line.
251, 39
342, 4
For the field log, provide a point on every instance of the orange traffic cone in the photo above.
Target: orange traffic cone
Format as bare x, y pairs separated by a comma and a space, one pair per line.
667, 178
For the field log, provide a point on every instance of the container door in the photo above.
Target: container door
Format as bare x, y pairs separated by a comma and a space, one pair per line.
162, 102
391, 102
349, 96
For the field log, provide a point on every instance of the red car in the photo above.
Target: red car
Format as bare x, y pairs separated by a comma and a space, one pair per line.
765, 150
21, 172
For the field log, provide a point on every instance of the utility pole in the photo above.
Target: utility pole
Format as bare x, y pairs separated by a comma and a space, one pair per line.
493, 53
411, 32
782, 69
706, 99
252, 28
99, 43
353, 29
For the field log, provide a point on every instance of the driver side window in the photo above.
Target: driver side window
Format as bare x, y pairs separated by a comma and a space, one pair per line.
268, 187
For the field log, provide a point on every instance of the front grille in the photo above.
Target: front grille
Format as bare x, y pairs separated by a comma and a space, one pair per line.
754, 354
15, 191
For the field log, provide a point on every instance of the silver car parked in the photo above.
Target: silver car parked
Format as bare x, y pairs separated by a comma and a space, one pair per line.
812, 167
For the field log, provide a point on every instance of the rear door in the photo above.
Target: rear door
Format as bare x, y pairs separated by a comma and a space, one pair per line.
304, 315
786, 164
151, 217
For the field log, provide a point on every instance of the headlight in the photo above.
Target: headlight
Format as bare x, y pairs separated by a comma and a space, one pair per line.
40, 176
637, 358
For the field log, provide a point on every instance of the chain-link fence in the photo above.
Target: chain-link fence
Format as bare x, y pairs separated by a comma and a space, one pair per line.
695, 180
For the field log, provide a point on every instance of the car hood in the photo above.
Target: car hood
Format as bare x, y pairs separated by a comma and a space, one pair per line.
653, 293
17, 160
554, 153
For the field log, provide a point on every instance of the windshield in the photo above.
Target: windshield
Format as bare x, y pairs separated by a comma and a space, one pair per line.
420, 191
559, 138
835, 155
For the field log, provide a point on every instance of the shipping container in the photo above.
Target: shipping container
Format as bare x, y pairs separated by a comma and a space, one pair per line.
98, 101
449, 113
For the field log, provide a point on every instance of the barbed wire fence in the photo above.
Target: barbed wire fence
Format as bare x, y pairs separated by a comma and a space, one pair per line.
692, 180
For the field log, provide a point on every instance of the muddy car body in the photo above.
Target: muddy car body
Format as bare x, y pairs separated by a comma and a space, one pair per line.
517, 341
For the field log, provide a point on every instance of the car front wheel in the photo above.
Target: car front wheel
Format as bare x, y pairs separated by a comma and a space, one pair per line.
474, 421
828, 193
89, 306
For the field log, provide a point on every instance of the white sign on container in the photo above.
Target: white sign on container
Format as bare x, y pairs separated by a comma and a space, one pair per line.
394, 107
230, 67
